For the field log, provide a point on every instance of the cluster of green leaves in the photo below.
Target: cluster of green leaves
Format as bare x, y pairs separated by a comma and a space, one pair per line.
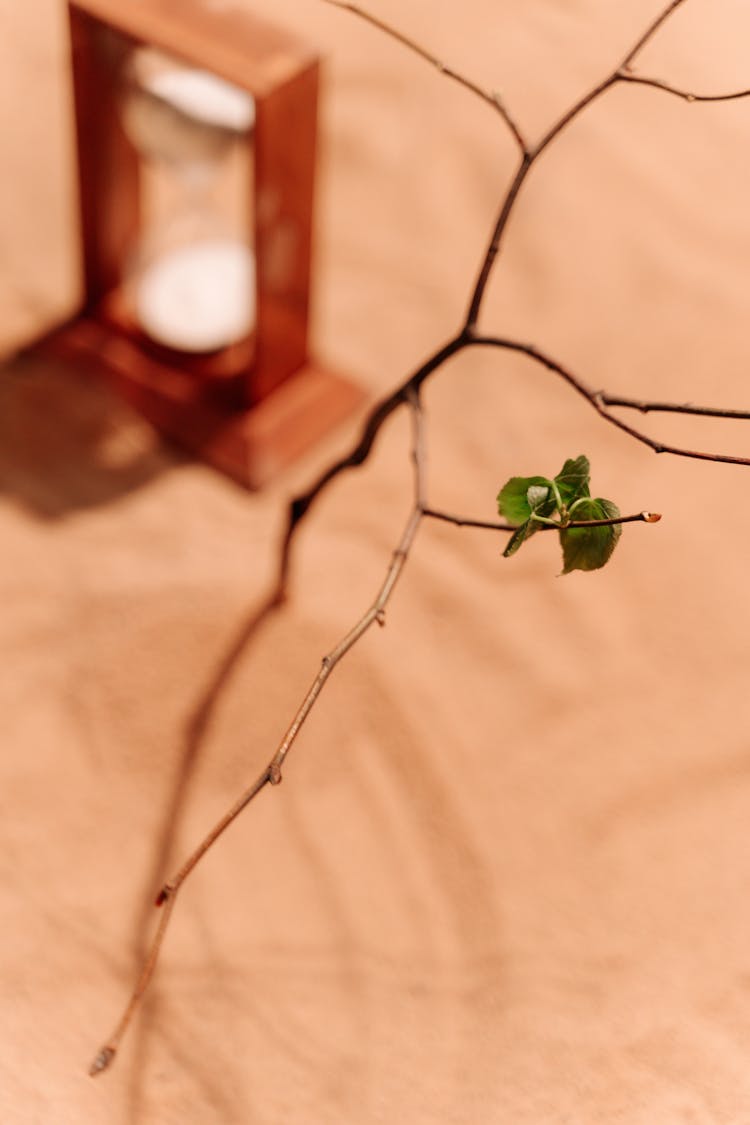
537, 502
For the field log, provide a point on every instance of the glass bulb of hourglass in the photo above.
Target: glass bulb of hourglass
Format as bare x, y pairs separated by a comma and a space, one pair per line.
193, 285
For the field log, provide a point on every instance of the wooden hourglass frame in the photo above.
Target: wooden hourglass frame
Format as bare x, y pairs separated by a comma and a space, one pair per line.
251, 407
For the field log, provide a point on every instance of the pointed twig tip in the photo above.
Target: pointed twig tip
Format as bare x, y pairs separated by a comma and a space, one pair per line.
102, 1061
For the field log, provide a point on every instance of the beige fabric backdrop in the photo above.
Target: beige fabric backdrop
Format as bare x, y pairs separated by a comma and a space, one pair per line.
506, 877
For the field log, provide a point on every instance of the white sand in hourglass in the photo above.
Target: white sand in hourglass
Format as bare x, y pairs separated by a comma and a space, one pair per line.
198, 296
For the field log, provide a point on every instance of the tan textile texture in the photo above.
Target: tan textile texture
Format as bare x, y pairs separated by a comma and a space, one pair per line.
505, 881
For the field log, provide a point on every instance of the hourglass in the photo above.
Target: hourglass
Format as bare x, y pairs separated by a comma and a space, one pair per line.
191, 283
196, 137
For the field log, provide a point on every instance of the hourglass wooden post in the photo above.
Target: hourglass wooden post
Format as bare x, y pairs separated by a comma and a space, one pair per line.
252, 406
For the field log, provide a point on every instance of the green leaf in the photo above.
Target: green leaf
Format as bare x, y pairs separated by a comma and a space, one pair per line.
519, 536
573, 480
514, 502
520, 500
589, 548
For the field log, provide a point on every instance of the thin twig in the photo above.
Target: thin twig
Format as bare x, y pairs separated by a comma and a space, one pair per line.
645, 406
272, 773
107, 1052
493, 247
650, 32
492, 97
489, 525
379, 414
531, 156
464, 521
598, 400
686, 95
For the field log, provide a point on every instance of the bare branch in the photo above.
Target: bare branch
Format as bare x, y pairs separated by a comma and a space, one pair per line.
272, 774
493, 247
373, 614
464, 521
379, 414
686, 95
509, 120
645, 406
531, 156
106, 1054
492, 97
599, 402
650, 32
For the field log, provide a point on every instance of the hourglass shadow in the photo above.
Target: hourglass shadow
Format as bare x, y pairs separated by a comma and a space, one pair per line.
67, 443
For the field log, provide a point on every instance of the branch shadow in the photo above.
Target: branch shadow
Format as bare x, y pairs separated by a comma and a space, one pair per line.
193, 740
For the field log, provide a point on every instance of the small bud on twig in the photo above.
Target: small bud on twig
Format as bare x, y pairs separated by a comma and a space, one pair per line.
102, 1061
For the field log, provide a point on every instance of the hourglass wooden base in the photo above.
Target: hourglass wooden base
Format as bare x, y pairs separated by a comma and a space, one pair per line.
251, 445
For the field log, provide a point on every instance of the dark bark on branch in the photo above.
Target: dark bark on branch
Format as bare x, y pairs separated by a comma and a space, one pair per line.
645, 407
492, 97
686, 95
600, 402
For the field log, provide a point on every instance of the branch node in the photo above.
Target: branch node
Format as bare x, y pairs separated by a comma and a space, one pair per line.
102, 1060
274, 774
380, 617
166, 892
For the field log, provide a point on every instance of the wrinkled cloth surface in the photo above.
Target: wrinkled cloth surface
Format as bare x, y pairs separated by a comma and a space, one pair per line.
505, 879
